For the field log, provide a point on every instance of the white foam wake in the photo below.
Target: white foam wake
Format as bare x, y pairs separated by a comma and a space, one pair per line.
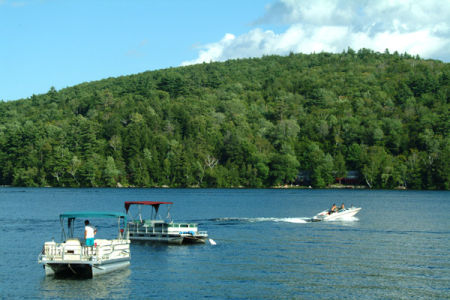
265, 219
292, 220
344, 219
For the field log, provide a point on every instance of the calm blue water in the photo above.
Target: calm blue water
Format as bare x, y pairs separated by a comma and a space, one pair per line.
398, 247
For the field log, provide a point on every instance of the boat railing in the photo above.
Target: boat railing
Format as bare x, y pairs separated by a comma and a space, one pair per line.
183, 225
137, 225
62, 251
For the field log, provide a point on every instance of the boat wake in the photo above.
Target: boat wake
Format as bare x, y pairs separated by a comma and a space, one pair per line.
344, 219
299, 220
230, 221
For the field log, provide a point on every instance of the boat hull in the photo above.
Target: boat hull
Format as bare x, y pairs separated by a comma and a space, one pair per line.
347, 213
168, 239
84, 269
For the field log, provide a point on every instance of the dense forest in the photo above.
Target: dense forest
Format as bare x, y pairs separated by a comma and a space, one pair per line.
261, 122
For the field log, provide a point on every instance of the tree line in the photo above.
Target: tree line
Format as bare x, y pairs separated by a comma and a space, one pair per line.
256, 122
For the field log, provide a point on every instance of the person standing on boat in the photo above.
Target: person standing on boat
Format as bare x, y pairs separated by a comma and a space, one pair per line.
342, 207
89, 233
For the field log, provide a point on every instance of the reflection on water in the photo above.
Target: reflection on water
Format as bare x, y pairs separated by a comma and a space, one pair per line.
115, 285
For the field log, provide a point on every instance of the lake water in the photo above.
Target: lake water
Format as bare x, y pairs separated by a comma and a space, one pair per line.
398, 247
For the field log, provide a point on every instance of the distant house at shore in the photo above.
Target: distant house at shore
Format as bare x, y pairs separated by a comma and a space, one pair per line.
352, 178
303, 178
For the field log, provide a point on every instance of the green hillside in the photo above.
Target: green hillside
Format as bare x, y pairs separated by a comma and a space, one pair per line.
251, 122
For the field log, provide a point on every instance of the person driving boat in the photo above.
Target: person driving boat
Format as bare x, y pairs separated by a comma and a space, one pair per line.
333, 209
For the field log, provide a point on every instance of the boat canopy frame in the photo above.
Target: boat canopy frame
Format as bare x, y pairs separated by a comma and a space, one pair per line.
154, 204
71, 216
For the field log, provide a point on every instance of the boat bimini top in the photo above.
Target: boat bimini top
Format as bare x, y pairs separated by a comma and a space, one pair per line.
154, 204
71, 216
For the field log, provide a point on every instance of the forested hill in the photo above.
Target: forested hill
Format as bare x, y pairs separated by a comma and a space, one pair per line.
242, 123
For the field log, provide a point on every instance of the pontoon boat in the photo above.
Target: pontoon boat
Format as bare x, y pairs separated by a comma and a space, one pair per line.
72, 256
155, 229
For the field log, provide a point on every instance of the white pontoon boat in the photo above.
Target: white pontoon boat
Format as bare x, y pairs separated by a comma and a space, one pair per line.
327, 215
154, 229
72, 256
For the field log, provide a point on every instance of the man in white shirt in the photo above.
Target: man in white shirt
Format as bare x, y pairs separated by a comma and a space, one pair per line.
89, 233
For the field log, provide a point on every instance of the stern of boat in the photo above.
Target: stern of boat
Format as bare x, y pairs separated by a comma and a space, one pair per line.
73, 257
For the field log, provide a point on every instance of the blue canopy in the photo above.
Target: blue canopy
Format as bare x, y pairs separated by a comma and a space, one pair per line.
93, 214
71, 216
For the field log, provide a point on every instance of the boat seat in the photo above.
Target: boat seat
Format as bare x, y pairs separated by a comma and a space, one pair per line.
73, 242
72, 247
102, 242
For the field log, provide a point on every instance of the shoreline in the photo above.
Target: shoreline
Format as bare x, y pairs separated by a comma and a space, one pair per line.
286, 186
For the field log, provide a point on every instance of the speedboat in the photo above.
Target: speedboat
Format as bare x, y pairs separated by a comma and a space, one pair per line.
154, 229
326, 215
73, 256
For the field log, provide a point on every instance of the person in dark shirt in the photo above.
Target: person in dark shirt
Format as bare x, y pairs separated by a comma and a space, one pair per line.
333, 209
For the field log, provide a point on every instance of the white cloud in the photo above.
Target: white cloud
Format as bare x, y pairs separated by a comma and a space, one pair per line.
416, 27
420, 42
319, 12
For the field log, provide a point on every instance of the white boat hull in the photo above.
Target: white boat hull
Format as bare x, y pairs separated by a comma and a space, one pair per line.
343, 214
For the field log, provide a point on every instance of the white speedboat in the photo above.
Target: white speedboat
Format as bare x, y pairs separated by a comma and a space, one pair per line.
72, 256
326, 215
154, 229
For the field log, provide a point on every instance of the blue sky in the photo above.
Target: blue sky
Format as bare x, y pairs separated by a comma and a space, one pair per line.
61, 43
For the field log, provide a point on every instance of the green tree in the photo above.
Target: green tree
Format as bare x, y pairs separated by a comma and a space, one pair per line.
111, 172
